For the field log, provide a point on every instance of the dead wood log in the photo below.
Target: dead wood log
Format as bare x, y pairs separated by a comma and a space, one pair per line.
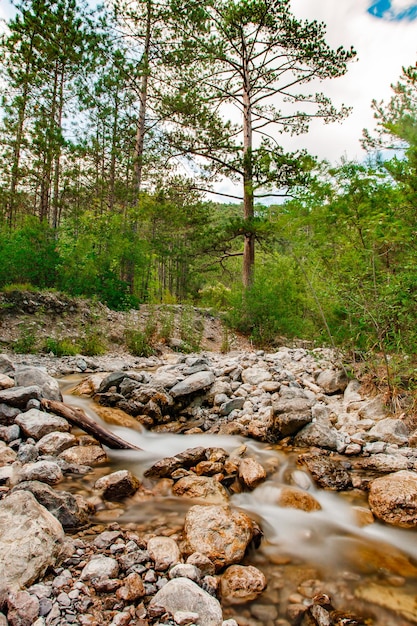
77, 417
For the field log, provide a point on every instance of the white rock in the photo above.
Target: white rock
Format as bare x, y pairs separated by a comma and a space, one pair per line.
30, 540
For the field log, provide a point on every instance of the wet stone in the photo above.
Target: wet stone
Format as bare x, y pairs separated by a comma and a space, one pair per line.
37, 424
117, 485
100, 567
164, 552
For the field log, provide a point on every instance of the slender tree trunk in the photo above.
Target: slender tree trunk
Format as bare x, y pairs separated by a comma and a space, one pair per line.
141, 129
57, 165
140, 140
50, 147
112, 181
248, 201
11, 207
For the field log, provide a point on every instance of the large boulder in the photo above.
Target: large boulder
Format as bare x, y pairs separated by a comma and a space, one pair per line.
219, 532
290, 415
72, 511
37, 424
393, 498
196, 382
201, 487
25, 376
389, 430
20, 396
332, 381
255, 375
30, 540
182, 594
317, 434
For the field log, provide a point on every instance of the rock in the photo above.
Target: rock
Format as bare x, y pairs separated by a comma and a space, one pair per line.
220, 387
251, 473
291, 497
290, 415
164, 552
255, 375
219, 532
202, 562
396, 600
185, 570
100, 567
7, 455
117, 485
182, 594
6, 382
196, 382
374, 409
393, 498
383, 463
27, 453
84, 455
112, 380
165, 467
89, 386
6, 364
44, 471
326, 472
37, 424
240, 584
7, 414
23, 609
30, 540
201, 487
72, 511
231, 405
317, 434
9, 433
25, 376
332, 381
20, 396
132, 588
55, 442
389, 430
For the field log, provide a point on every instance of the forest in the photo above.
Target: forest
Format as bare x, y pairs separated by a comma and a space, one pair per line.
116, 122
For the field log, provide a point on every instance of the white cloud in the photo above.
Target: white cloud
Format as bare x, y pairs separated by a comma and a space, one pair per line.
383, 49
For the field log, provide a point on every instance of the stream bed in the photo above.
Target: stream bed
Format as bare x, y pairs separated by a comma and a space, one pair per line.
363, 565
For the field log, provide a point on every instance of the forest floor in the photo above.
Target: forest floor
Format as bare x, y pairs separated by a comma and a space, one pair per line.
33, 321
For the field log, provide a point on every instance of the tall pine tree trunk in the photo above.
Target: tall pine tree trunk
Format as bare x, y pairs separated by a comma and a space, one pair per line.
140, 140
248, 200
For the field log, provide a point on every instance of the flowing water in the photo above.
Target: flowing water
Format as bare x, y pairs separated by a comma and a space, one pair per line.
367, 568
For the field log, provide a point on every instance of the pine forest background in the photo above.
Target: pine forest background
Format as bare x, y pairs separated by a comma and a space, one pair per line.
114, 123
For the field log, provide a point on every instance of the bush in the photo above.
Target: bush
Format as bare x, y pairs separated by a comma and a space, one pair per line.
61, 347
29, 255
277, 304
138, 342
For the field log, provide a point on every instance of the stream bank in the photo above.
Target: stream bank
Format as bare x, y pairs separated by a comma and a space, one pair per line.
264, 441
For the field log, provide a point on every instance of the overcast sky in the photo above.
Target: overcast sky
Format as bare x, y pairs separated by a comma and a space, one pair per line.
384, 34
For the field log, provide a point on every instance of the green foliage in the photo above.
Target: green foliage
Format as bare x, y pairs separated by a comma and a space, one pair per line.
278, 304
61, 347
138, 342
166, 323
191, 330
18, 287
93, 343
26, 342
28, 255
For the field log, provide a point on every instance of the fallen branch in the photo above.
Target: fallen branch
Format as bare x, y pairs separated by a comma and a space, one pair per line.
77, 417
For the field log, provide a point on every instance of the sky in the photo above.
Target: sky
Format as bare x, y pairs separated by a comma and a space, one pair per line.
384, 35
